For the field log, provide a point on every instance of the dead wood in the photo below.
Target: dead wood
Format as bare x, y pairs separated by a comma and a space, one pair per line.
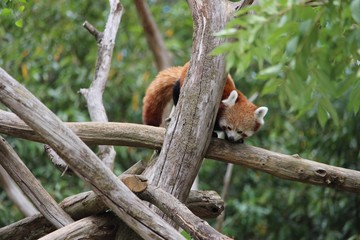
83, 161
290, 167
16, 195
31, 186
94, 94
183, 217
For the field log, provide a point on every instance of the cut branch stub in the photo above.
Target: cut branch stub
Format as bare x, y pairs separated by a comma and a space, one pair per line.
83, 161
136, 183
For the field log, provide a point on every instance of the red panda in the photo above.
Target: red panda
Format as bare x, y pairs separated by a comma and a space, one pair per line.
237, 117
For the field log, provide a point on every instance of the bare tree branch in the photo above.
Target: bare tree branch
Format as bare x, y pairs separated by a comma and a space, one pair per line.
196, 227
226, 184
205, 204
31, 186
189, 132
95, 227
94, 94
280, 165
153, 36
83, 161
15, 194
93, 31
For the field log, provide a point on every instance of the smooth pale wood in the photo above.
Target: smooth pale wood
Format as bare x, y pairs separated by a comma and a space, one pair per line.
16, 195
31, 186
94, 227
83, 161
94, 94
276, 164
204, 204
92, 133
173, 208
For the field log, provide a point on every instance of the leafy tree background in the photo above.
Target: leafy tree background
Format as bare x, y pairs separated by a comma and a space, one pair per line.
303, 62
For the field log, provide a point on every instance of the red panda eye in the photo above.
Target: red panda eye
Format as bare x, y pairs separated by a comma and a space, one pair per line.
228, 128
239, 132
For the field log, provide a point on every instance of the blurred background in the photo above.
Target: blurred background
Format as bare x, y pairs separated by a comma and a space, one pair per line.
44, 46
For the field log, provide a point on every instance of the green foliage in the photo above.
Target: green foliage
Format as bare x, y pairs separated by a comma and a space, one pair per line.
13, 10
302, 59
54, 57
308, 55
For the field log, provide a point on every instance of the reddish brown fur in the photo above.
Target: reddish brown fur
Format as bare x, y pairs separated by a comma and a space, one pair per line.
241, 114
159, 94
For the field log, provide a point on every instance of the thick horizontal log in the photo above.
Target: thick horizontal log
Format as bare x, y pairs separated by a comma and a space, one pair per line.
280, 165
205, 204
118, 134
84, 162
94, 227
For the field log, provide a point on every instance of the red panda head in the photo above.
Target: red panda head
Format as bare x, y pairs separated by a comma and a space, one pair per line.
239, 118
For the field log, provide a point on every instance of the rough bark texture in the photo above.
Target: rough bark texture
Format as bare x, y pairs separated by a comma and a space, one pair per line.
93, 95
16, 195
189, 132
280, 165
95, 227
31, 186
83, 161
173, 208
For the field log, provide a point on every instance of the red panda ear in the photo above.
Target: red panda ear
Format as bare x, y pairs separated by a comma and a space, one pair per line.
260, 113
231, 100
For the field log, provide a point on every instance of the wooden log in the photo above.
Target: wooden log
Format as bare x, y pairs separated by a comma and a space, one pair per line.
16, 195
102, 226
31, 186
289, 167
173, 208
83, 161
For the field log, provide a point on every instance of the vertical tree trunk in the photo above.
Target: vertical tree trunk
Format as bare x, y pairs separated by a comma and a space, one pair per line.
190, 130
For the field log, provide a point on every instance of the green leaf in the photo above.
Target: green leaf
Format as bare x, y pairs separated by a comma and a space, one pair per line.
270, 72
271, 86
19, 23
354, 101
322, 116
21, 8
292, 45
355, 10
6, 12
326, 104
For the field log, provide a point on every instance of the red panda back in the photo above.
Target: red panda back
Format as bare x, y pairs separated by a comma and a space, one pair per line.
158, 95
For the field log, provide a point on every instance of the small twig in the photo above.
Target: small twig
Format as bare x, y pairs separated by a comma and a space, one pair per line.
93, 31
57, 160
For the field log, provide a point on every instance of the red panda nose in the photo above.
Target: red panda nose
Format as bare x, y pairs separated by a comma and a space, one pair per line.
231, 139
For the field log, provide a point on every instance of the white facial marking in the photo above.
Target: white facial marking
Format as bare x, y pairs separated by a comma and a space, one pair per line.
260, 114
233, 135
230, 101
